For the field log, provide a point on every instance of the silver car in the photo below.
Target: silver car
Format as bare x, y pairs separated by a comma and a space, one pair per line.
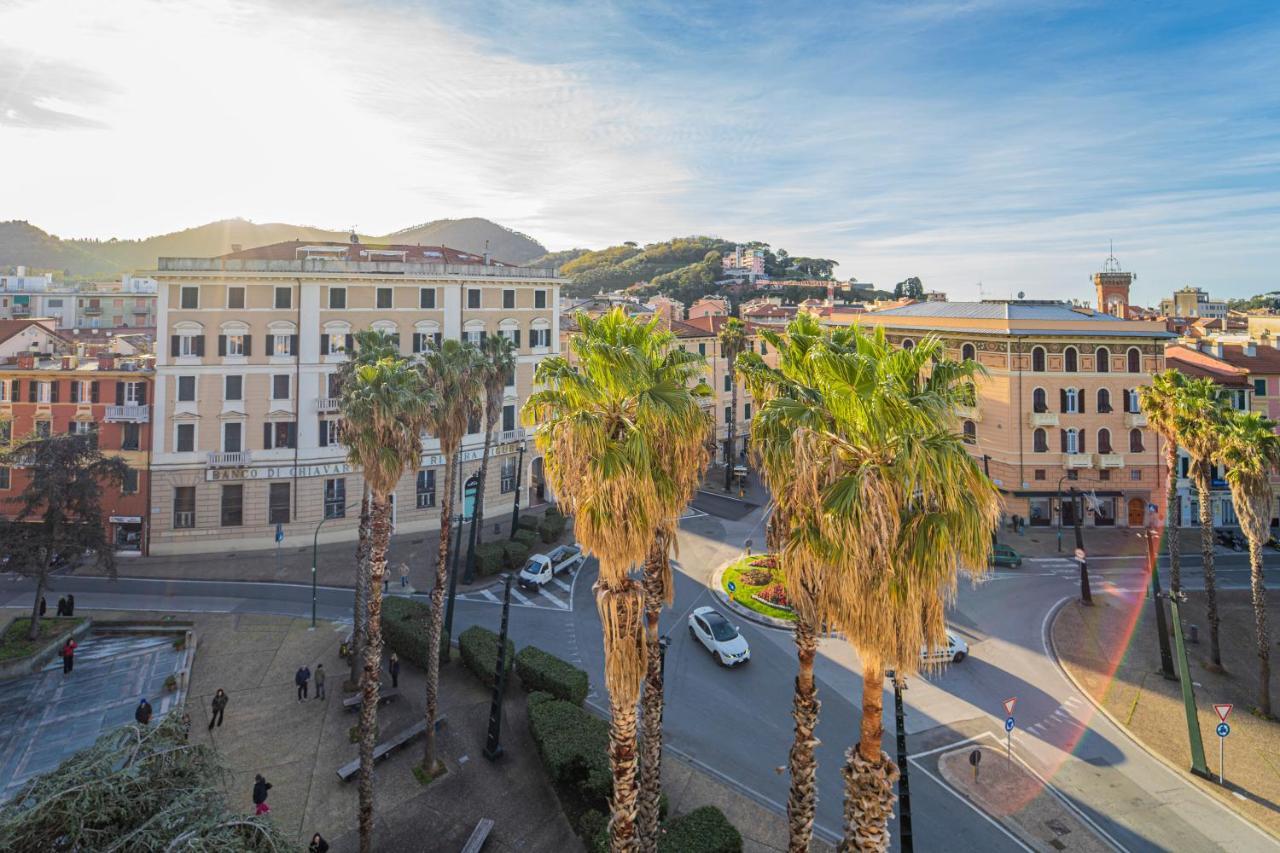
719, 636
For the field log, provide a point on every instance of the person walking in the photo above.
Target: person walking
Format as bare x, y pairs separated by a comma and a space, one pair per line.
143, 712
44, 605
260, 788
62, 606
394, 666
219, 706
320, 681
301, 678
71, 605
404, 575
318, 844
68, 655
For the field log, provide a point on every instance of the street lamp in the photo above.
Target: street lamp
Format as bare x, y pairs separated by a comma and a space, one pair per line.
315, 549
905, 841
986, 469
1086, 594
1166, 658
1059, 499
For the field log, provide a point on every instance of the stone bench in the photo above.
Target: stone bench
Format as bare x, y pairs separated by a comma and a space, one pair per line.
382, 750
353, 701
478, 836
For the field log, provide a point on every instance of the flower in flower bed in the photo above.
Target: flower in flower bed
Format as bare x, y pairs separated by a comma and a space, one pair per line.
774, 594
756, 577
767, 561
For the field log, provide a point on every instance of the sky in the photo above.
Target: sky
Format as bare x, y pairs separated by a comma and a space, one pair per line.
989, 147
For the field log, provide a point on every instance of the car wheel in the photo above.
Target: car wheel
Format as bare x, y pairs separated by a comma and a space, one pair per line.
693, 633
959, 657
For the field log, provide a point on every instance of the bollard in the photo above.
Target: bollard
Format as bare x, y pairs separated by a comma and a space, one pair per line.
1193, 634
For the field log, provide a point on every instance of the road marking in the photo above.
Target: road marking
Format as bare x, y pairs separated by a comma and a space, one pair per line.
519, 596
489, 595
542, 590
562, 584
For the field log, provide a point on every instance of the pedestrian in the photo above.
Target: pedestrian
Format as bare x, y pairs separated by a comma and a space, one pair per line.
260, 788
319, 681
44, 605
68, 655
394, 666
318, 844
301, 678
404, 575
219, 706
62, 606
71, 605
143, 712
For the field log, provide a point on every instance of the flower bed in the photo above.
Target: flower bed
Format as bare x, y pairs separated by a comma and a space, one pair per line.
753, 595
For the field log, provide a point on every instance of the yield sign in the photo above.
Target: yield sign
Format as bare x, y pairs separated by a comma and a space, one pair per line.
1009, 703
1223, 710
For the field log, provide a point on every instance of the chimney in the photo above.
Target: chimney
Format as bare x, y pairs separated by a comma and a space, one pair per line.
236, 247
106, 361
486, 253
1250, 349
69, 362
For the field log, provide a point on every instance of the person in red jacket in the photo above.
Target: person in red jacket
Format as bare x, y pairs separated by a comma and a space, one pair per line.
68, 655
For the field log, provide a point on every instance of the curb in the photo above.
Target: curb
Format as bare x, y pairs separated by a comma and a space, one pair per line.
34, 662
717, 589
1182, 773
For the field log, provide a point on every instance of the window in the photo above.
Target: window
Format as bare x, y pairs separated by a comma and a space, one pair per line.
337, 298
130, 484
1037, 359
44, 391
511, 378
728, 381
4, 390
508, 475
84, 428
190, 299
1131, 403
426, 489
427, 298
970, 432
187, 342
280, 386
234, 344
235, 297
508, 417
5, 482
764, 349
1259, 387
728, 414
473, 297
1104, 401
232, 437
6, 433
1134, 358
1135, 441
81, 391
746, 411
1040, 474
184, 507
279, 434
508, 299
335, 498
1070, 400
1073, 474
44, 429
186, 389
329, 432
278, 504
702, 349
131, 437
539, 299
1135, 473
281, 345
540, 338
474, 333
908, 344
384, 295
186, 438
284, 298
1070, 360
1104, 474
1038, 402
1104, 440
1102, 360
135, 393
233, 388
967, 352
1071, 441
232, 505
333, 384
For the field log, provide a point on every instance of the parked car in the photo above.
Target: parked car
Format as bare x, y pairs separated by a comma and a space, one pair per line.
955, 651
1003, 555
719, 636
541, 568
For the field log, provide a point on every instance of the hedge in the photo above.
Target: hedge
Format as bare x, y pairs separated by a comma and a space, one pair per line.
528, 538
515, 554
552, 526
490, 558
527, 522
704, 830
543, 671
574, 747
479, 648
404, 629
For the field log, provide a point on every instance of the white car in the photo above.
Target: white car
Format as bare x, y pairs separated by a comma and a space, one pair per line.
955, 650
719, 636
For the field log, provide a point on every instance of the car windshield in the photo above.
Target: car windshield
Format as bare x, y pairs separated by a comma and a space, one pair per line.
532, 567
720, 627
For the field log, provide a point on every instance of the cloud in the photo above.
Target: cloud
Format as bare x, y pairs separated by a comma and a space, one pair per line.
47, 94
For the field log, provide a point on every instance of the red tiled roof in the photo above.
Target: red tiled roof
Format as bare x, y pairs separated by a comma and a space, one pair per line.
711, 325
290, 250
9, 328
1199, 365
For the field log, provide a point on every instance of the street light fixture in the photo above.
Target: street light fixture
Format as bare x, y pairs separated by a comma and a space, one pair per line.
315, 549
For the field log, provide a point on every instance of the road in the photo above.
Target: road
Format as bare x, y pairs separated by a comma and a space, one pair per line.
736, 723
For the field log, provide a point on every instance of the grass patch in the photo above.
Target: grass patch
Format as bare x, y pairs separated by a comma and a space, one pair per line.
425, 778
743, 591
14, 643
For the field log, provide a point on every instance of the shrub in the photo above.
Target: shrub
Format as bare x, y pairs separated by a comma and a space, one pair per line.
704, 830
756, 577
766, 562
593, 829
528, 538
479, 648
490, 558
573, 746
552, 526
540, 670
404, 629
775, 594
515, 554
527, 522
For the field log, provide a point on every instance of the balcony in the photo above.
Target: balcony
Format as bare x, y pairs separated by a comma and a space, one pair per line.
1043, 419
1110, 460
129, 414
1135, 420
21, 310
506, 435
229, 460
1077, 460
91, 309
969, 413
328, 404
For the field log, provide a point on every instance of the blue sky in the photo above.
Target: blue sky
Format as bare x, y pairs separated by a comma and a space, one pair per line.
1001, 142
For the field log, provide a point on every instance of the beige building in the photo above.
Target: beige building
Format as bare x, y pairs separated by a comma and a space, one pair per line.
245, 401
1193, 303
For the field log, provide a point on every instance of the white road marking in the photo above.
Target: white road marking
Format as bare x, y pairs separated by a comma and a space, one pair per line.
489, 595
542, 590
562, 584
519, 596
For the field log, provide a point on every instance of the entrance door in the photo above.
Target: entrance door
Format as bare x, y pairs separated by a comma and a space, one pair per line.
1137, 512
1068, 510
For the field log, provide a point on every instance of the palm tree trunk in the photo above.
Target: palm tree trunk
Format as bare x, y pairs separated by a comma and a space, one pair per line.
733, 428
1206, 551
436, 625
869, 773
1261, 632
1171, 530
652, 702
478, 522
620, 602
380, 536
802, 799
360, 624
623, 761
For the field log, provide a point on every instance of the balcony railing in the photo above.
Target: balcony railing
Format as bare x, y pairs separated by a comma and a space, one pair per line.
969, 413
91, 309
506, 435
129, 414
1134, 420
183, 520
21, 310
229, 460
1110, 460
1078, 460
328, 404
1043, 419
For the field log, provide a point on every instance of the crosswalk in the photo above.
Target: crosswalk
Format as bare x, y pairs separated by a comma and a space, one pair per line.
557, 595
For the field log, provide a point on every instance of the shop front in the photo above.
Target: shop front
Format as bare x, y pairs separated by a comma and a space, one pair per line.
126, 534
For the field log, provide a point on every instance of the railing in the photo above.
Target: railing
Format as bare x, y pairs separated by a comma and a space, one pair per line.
508, 485
21, 310
91, 309
1043, 419
426, 499
506, 435
1078, 460
327, 404
183, 520
129, 414
229, 460
1110, 460
1135, 420
969, 413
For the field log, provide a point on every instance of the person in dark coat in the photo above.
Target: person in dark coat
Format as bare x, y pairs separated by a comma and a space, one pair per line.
260, 788
44, 606
219, 705
71, 605
62, 606
143, 712
394, 666
318, 844
68, 655
301, 678
319, 681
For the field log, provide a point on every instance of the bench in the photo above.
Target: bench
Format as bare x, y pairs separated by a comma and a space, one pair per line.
354, 700
382, 750
478, 836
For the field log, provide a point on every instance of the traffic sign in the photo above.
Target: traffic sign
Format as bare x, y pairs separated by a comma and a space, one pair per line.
1080, 556
1152, 508
1008, 705
279, 532
732, 586
1223, 709
1008, 724
1223, 729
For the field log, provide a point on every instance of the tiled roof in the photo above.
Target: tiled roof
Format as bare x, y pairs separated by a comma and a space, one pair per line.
1265, 358
1000, 311
293, 249
1199, 365
9, 328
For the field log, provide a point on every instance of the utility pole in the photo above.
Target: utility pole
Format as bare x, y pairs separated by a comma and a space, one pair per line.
493, 748
1086, 595
1162, 628
515, 508
1198, 765
447, 640
905, 842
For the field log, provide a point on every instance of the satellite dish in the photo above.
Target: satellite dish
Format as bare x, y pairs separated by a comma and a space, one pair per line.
1021, 295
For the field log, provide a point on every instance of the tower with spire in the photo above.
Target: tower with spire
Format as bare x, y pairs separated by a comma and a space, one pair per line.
1112, 285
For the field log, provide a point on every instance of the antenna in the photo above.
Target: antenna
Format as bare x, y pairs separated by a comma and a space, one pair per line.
1111, 264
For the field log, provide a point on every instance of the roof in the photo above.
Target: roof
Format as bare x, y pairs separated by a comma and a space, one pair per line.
1000, 311
1199, 365
1265, 358
711, 325
10, 328
292, 249
1005, 318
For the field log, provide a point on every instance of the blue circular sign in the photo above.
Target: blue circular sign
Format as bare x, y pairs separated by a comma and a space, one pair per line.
1008, 724
732, 586
1223, 730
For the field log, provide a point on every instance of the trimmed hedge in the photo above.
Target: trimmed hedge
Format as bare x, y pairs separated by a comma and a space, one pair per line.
593, 829
552, 526
490, 558
528, 522
515, 554
704, 830
479, 648
528, 538
404, 629
574, 747
540, 670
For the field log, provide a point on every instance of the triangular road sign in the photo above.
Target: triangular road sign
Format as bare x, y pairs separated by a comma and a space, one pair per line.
1223, 710
1009, 703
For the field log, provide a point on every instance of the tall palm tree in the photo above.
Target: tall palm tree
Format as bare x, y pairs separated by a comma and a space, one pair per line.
604, 425
382, 405
452, 375
733, 339
1159, 403
1250, 450
497, 362
1197, 422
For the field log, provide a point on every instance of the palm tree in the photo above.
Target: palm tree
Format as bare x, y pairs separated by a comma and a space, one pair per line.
1250, 450
1197, 423
733, 339
497, 362
1159, 403
452, 375
382, 405
605, 422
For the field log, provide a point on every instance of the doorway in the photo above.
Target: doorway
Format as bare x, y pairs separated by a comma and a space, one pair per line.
1137, 512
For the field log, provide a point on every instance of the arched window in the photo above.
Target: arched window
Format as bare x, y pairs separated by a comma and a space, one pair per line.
540, 334
510, 329
970, 432
969, 395
1037, 359
1135, 360
1131, 402
1070, 360
1038, 401
335, 338
1135, 441
473, 332
1104, 401
388, 328
967, 352
1102, 360
1039, 441
426, 334
1104, 440
1070, 441
908, 344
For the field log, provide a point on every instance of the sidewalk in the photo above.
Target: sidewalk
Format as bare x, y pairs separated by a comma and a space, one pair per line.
1098, 541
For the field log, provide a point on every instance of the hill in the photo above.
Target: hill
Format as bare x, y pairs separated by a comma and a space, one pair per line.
25, 244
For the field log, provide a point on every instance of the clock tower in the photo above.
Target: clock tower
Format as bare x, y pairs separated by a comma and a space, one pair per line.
1112, 286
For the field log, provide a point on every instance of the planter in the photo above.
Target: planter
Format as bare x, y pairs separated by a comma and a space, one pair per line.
769, 603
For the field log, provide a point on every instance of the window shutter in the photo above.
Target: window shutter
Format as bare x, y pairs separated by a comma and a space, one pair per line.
266, 436
293, 433
395, 340
435, 339
15, 393
483, 335
1080, 441
417, 342
173, 345
1063, 434
324, 344
71, 428
1062, 399
248, 344
93, 390
200, 345
350, 344
1080, 395
293, 345
119, 393
324, 434
75, 391
515, 338
53, 391
31, 391
222, 345
271, 345
142, 393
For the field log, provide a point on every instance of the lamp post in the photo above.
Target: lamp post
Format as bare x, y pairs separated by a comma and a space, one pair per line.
315, 551
905, 842
986, 469
515, 507
1196, 743
492, 747
1059, 499
1166, 658
1086, 594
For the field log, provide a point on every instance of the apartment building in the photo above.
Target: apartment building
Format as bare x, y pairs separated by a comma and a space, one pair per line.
246, 393
1194, 303
105, 397
128, 304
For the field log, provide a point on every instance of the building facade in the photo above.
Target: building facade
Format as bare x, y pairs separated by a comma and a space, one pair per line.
131, 303
249, 346
1193, 303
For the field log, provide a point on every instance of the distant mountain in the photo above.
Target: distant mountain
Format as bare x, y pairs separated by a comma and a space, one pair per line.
24, 244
